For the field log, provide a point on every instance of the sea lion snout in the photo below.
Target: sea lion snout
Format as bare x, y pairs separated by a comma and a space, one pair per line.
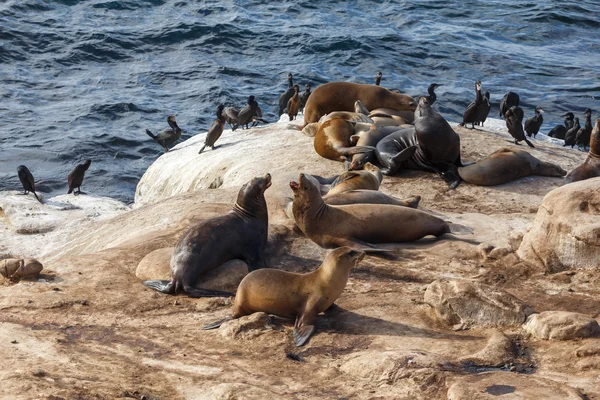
268, 181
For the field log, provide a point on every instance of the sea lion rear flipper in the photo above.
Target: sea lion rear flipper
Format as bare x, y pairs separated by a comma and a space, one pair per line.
458, 229
216, 324
195, 292
162, 286
358, 245
405, 154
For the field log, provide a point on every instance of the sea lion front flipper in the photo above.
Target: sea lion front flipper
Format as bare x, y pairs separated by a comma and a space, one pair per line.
350, 151
405, 154
304, 327
216, 324
358, 245
196, 293
167, 287
458, 229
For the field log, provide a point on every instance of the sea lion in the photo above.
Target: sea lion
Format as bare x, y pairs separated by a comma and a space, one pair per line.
358, 225
20, 268
359, 108
287, 95
294, 104
365, 196
506, 165
26, 178
295, 296
591, 166
514, 124
239, 234
474, 109
510, 99
370, 138
533, 124
332, 140
169, 136
340, 96
369, 178
388, 120
75, 178
216, 129
407, 115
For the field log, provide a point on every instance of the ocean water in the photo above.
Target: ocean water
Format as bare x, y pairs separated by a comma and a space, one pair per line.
84, 79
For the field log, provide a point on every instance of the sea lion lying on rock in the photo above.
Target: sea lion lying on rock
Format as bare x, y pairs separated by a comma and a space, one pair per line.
299, 296
591, 166
370, 178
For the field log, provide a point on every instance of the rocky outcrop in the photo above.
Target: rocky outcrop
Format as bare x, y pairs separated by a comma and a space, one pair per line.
498, 351
463, 304
561, 325
566, 231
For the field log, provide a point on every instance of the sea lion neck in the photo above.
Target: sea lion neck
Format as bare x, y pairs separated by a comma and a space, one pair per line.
249, 207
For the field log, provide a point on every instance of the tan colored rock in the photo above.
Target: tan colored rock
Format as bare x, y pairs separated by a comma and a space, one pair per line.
464, 303
498, 351
561, 325
157, 265
589, 349
247, 327
20, 268
234, 391
566, 231
509, 386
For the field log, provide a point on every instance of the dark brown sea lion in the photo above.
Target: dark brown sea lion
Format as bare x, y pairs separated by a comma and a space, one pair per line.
75, 178
358, 225
332, 140
239, 234
295, 296
370, 178
506, 165
341, 96
370, 138
591, 166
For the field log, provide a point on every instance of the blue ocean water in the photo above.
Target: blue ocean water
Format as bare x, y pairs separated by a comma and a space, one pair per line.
84, 79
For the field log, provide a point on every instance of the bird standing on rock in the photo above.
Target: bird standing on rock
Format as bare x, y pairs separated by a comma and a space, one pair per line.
169, 136
75, 178
248, 113
27, 181
287, 95
378, 78
215, 131
582, 139
571, 134
484, 109
560, 131
533, 124
470, 115
510, 99
231, 117
294, 104
514, 123
304, 96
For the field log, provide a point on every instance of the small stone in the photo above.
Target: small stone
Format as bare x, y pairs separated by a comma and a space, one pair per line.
14, 342
56, 289
84, 302
561, 325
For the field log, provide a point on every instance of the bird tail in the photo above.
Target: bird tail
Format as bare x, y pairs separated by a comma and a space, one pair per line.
529, 143
152, 135
202, 149
70, 190
36, 196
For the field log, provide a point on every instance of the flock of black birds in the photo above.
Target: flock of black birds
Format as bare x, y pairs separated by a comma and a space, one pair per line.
291, 101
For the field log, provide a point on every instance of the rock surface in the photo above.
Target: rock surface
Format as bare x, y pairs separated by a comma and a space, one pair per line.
499, 350
464, 304
561, 325
566, 231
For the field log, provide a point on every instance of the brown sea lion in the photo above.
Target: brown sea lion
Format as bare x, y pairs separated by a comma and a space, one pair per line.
370, 178
358, 225
409, 116
506, 165
591, 166
239, 234
295, 296
387, 120
360, 108
365, 196
332, 140
341, 96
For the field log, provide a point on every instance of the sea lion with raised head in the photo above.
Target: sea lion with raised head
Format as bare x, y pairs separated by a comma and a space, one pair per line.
370, 138
360, 108
75, 178
295, 296
369, 178
506, 165
591, 166
239, 234
341, 96
358, 225
26, 178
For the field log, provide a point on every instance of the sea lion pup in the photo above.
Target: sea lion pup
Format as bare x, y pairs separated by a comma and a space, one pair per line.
559, 131
533, 124
27, 181
471, 113
215, 131
248, 113
582, 139
231, 117
239, 234
358, 225
295, 296
340, 96
369, 138
304, 96
378, 78
294, 103
514, 123
332, 140
506, 165
510, 99
287, 95
169, 136
591, 166
75, 178
369, 178
571, 134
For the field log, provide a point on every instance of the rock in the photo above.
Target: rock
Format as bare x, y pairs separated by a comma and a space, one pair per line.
589, 349
561, 325
506, 385
231, 391
247, 327
157, 265
566, 231
20, 268
464, 303
498, 351
387, 367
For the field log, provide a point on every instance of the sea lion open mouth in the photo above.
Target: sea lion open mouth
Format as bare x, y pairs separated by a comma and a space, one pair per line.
269, 182
294, 185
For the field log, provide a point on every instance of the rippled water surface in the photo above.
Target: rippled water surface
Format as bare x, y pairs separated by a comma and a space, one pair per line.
84, 79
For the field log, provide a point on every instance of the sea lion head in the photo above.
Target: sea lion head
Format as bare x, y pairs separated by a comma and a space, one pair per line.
345, 257
374, 170
251, 197
423, 109
595, 139
358, 161
305, 192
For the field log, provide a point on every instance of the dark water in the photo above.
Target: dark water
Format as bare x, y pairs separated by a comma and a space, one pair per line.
83, 79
